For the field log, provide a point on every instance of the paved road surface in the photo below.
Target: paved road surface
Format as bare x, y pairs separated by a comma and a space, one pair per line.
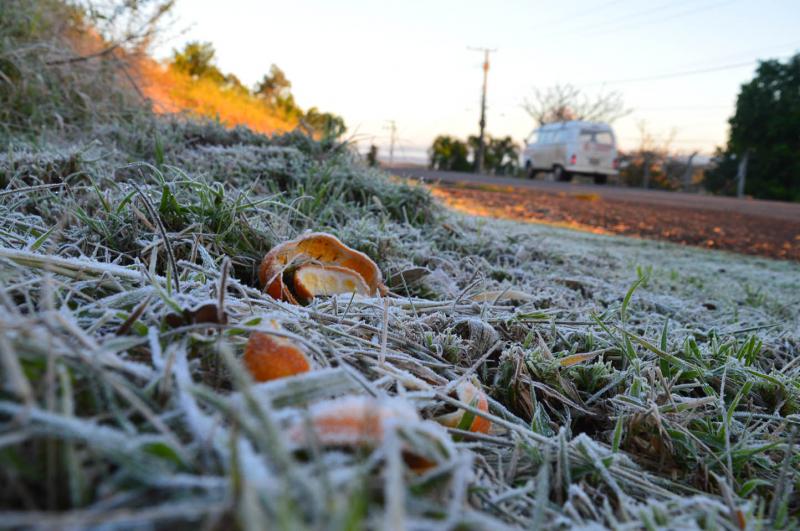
771, 209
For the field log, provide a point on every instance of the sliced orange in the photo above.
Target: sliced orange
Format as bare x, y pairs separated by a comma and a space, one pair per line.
311, 280
269, 357
469, 393
316, 248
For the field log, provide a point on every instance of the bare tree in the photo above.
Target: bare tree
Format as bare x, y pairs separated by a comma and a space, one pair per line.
560, 103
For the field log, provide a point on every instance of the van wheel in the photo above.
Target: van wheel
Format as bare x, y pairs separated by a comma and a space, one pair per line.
599, 178
560, 175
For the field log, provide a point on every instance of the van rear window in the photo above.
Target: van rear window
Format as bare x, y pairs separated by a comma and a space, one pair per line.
604, 138
597, 137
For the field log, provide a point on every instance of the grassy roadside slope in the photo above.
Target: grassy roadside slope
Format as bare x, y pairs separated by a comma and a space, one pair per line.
633, 384
171, 91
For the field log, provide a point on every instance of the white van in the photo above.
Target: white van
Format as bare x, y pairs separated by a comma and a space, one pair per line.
572, 148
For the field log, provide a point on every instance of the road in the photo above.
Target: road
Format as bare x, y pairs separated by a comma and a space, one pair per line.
776, 210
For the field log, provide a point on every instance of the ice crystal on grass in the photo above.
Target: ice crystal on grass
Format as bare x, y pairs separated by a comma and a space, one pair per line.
630, 383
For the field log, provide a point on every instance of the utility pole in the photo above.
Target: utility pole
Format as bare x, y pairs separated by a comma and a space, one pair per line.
392, 127
741, 175
481, 137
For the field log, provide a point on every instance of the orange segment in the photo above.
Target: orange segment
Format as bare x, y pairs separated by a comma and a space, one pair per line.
312, 280
469, 393
321, 249
268, 357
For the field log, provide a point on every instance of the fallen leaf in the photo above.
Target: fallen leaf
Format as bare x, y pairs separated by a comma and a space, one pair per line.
407, 277
204, 313
574, 359
501, 295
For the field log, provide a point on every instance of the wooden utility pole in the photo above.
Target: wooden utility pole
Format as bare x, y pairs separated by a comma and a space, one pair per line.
481, 138
741, 175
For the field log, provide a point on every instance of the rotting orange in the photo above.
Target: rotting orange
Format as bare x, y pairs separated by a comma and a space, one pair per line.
351, 420
320, 249
311, 280
269, 357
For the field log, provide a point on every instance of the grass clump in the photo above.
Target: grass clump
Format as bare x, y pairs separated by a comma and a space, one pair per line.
621, 395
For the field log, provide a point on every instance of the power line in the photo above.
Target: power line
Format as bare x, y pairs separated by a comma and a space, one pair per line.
750, 52
684, 108
577, 14
675, 74
660, 19
644, 13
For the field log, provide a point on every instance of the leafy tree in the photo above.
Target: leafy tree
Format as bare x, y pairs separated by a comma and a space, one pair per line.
765, 126
276, 90
448, 153
232, 82
501, 156
197, 59
328, 125
561, 103
504, 153
274, 86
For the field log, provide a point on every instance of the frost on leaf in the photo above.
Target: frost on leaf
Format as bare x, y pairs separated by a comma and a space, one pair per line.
318, 264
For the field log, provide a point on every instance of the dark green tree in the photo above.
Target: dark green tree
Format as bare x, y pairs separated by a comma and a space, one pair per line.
448, 153
197, 59
766, 126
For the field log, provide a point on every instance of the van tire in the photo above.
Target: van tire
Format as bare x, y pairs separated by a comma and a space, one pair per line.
600, 178
560, 175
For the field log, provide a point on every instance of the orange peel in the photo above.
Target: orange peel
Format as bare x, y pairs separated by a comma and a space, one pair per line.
352, 421
469, 393
269, 357
320, 249
311, 280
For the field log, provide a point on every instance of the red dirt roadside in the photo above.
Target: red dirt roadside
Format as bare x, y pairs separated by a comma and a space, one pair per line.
743, 232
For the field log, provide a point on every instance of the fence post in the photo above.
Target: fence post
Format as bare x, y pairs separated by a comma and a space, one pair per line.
689, 173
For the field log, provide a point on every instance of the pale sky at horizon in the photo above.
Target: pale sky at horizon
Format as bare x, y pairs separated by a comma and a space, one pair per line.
408, 61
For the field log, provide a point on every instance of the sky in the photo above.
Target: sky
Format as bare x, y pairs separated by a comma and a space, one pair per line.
678, 64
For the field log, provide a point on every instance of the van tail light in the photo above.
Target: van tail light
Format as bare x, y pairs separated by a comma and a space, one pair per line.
615, 163
573, 159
